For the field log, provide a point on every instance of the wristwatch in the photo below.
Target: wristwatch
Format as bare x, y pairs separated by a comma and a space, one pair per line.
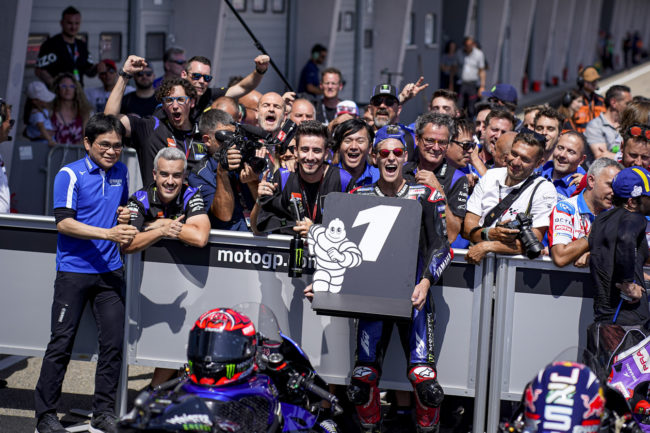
125, 75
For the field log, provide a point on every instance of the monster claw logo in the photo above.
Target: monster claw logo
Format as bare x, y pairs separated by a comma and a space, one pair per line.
230, 370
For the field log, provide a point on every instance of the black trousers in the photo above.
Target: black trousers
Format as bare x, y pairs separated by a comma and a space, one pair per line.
105, 292
468, 96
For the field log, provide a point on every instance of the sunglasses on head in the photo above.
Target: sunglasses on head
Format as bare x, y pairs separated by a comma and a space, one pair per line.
639, 131
196, 77
388, 100
466, 145
144, 74
385, 153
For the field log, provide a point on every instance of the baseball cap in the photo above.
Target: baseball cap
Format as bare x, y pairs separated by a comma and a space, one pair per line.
109, 63
590, 74
503, 92
347, 107
38, 90
631, 182
384, 89
389, 131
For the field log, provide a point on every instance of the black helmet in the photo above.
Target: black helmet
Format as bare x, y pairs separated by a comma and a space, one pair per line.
221, 348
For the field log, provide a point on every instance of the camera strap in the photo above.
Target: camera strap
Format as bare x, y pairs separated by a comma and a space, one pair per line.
530, 202
504, 204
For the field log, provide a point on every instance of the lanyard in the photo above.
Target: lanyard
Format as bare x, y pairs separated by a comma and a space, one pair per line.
74, 53
311, 214
325, 119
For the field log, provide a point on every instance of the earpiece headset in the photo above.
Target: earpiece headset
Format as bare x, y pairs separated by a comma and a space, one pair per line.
567, 99
580, 80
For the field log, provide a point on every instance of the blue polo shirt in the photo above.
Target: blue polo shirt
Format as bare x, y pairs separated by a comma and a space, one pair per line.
94, 194
562, 187
369, 176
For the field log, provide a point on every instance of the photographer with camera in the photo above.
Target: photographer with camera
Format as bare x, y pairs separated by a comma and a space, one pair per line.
508, 212
228, 185
313, 179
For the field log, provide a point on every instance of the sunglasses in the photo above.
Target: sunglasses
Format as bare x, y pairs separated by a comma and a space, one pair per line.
466, 145
144, 74
388, 100
639, 131
385, 153
196, 77
169, 100
431, 141
179, 62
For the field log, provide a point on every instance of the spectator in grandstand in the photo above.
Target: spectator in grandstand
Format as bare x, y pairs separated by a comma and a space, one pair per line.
302, 110
618, 251
548, 123
88, 199
571, 219
313, 179
65, 52
143, 101
433, 132
151, 134
498, 122
529, 116
168, 208
38, 114
97, 96
70, 110
309, 76
331, 84
6, 123
352, 144
472, 75
593, 105
503, 193
374, 336
444, 101
173, 64
228, 186
198, 71
564, 169
571, 103
602, 132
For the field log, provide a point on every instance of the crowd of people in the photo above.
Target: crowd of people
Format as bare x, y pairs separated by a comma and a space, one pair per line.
486, 180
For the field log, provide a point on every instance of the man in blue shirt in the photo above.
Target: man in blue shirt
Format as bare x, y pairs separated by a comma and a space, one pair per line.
310, 74
352, 143
89, 195
564, 169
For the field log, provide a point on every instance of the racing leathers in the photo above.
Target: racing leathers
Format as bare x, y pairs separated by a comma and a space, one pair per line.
416, 336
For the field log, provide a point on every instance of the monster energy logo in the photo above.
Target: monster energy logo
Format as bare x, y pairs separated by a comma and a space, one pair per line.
385, 87
230, 370
299, 252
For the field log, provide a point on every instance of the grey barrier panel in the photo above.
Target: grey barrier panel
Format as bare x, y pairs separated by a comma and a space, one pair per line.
28, 269
28, 176
540, 311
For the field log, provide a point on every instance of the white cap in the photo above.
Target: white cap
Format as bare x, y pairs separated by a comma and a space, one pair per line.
38, 90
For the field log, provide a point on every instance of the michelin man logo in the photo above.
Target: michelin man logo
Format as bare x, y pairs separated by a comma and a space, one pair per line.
334, 254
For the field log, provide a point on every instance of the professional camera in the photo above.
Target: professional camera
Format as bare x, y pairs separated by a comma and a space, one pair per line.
247, 139
524, 223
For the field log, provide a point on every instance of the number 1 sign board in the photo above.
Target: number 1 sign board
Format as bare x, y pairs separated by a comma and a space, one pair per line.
366, 256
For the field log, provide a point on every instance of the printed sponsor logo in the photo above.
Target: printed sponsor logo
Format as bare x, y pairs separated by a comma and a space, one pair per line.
641, 359
190, 418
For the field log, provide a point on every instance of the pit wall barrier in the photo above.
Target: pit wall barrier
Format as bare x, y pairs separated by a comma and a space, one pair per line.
539, 310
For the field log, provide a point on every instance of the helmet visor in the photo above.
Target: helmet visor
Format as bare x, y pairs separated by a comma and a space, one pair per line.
217, 346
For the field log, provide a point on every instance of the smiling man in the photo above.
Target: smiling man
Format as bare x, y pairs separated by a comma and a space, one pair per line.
373, 336
310, 183
88, 199
563, 168
168, 208
531, 194
385, 108
352, 142
433, 134
331, 84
